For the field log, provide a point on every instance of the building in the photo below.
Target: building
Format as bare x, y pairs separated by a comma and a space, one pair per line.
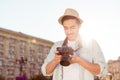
14, 45
114, 69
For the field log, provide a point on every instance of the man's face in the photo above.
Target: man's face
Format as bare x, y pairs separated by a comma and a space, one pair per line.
71, 29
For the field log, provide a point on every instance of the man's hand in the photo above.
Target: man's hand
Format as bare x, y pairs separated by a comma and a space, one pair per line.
57, 58
93, 68
74, 59
51, 66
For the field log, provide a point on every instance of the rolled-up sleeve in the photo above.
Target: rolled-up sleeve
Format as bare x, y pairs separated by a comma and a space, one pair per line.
49, 58
98, 58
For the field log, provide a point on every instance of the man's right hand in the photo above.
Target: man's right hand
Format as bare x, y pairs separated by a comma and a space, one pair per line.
57, 58
51, 66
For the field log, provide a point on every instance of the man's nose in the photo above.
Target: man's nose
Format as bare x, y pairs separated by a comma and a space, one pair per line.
69, 31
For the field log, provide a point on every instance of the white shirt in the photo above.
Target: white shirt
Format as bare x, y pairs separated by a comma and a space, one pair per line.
90, 52
71, 72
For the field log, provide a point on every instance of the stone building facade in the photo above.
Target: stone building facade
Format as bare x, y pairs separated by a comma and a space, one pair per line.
114, 69
14, 45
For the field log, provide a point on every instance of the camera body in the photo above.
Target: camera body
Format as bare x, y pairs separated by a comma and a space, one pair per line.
65, 51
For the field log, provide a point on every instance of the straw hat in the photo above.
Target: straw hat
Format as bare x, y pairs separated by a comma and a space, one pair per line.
70, 12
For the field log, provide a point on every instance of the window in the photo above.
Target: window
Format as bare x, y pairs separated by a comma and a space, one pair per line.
0, 71
22, 46
32, 51
10, 72
12, 41
39, 51
39, 54
40, 48
12, 48
1, 63
39, 60
22, 43
11, 56
1, 46
40, 64
32, 45
22, 50
10, 63
1, 38
32, 66
31, 59
47, 49
1, 54
40, 57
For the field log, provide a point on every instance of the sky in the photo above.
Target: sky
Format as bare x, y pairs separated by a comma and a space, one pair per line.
39, 18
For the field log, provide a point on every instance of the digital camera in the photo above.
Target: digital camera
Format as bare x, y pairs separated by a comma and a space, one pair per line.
65, 51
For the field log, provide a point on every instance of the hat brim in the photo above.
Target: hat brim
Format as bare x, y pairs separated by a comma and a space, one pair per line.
60, 19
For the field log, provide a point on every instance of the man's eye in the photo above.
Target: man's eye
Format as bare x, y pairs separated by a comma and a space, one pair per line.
65, 28
73, 27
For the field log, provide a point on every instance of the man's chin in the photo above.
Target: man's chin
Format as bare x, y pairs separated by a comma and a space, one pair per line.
71, 39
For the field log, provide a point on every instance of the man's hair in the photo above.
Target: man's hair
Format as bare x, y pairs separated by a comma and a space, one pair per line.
70, 17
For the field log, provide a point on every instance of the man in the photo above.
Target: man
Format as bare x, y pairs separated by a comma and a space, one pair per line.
87, 59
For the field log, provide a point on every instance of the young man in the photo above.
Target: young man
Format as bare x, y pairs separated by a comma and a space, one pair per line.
87, 59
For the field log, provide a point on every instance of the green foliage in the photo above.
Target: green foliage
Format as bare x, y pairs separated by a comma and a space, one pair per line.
2, 78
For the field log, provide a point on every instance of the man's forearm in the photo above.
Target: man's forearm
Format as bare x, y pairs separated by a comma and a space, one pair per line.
50, 67
93, 68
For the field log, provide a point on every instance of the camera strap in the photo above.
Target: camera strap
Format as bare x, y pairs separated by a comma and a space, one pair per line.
66, 42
